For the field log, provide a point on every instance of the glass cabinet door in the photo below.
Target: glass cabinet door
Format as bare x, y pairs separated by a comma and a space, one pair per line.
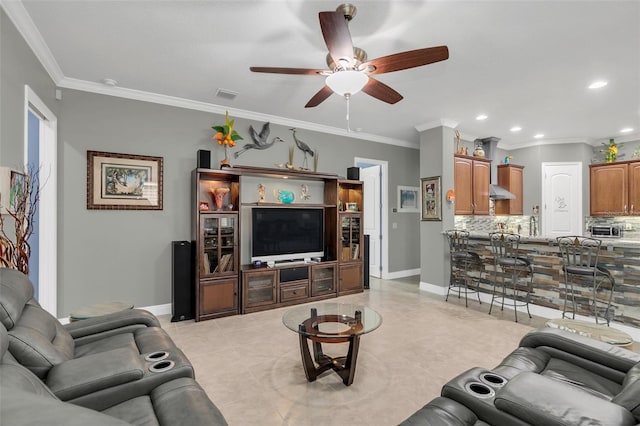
323, 278
219, 242
350, 238
259, 288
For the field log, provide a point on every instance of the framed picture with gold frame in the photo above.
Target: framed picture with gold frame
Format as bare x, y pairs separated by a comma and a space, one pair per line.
123, 181
431, 192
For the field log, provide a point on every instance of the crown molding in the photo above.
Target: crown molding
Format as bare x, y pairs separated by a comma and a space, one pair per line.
541, 142
632, 137
16, 11
443, 122
139, 95
20, 17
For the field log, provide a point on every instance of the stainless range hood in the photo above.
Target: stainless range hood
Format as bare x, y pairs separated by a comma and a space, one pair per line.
496, 192
499, 193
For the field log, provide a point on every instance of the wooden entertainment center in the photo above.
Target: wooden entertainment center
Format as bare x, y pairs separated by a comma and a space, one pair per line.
226, 283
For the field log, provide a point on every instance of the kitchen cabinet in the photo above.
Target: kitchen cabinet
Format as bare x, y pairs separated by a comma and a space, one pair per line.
510, 177
471, 182
615, 188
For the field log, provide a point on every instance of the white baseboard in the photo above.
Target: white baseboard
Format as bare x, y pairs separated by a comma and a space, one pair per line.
155, 310
537, 310
432, 288
401, 274
158, 309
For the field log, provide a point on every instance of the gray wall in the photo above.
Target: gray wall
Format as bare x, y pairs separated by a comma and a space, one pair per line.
531, 158
18, 66
436, 154
125, 255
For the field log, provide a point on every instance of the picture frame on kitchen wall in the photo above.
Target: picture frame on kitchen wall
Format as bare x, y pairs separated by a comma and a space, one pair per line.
431, 198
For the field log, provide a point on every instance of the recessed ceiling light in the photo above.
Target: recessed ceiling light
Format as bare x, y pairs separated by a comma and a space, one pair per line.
515, 129
539, 136
626, 130
482, 117
598, 84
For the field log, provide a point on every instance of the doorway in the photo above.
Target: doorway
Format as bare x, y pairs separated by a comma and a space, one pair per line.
561, 199
40, 154
374, 174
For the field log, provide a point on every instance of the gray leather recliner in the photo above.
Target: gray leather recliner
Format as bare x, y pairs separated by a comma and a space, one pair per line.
25, 400
39, 341
553, 378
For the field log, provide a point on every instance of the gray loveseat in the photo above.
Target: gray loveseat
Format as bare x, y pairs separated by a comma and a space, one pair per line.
554, 377
115, 369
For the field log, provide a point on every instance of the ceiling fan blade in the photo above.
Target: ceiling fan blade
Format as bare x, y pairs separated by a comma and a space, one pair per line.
381, 91
336, 35
408, 59
319, 97
278, 70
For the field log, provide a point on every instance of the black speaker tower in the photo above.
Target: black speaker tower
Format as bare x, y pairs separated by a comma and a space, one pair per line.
182, 281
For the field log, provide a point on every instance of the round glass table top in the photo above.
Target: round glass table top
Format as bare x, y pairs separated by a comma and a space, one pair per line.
332, 320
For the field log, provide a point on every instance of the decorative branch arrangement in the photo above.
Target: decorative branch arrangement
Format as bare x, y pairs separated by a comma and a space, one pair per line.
15, 249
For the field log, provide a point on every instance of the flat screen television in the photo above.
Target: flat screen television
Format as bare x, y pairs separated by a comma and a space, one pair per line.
286, 233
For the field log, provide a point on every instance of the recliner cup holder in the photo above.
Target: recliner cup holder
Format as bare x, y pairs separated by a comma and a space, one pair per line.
161, 366
479, 389
493, 379
156, 356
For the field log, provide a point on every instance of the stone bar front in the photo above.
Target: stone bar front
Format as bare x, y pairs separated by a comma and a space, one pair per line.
621, 257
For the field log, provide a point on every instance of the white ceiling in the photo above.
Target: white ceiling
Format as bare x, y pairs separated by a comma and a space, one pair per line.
525, 63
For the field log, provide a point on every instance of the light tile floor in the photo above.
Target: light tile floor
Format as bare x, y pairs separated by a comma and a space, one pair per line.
250, 364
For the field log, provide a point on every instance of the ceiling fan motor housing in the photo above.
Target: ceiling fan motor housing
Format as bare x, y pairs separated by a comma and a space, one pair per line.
359, 57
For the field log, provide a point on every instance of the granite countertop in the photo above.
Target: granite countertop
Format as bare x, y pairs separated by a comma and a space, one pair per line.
607, 242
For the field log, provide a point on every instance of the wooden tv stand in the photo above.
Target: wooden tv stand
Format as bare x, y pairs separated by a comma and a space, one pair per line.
226, 285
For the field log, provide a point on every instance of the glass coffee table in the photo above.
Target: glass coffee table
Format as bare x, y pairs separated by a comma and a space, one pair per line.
330, 323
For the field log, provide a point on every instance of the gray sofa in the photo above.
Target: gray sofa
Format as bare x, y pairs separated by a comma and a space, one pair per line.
554, 377
115, 369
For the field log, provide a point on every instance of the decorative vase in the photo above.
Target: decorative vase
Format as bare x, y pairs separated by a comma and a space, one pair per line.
479, 150
226, 162
285, 196
218, 196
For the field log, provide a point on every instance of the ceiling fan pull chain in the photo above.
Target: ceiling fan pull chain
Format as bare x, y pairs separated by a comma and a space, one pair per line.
347, 96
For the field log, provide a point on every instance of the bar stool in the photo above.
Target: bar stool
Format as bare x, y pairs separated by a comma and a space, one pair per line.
464, 264
508, 265
580, 264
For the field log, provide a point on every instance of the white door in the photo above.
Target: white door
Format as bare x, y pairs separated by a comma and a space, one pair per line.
561, 208
371, 178
46, 165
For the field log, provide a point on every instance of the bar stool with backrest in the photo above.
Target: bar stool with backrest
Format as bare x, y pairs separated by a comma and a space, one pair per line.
466, 266
510, 270
580, 263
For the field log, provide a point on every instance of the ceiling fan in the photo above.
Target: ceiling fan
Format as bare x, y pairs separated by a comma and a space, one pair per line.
349, 70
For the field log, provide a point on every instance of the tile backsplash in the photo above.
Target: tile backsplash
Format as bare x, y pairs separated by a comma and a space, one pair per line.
530, 225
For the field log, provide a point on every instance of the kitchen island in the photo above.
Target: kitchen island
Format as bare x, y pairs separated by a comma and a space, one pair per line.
620, 256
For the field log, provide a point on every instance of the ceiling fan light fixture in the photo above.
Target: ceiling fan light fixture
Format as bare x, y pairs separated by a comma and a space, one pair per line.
343, 82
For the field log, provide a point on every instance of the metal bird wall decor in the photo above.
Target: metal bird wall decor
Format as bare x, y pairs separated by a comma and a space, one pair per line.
260, 140
303, 147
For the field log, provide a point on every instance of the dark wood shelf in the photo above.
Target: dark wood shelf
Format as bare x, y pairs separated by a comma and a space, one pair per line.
311, 205
278, 173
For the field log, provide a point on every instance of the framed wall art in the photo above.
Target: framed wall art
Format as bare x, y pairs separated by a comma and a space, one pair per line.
431, 198
123, 181
408, 199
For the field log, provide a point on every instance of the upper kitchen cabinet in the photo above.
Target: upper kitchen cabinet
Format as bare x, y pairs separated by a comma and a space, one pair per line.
510, 177
471, 182
615, 188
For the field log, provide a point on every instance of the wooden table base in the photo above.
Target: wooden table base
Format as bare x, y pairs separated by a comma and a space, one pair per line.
344, 366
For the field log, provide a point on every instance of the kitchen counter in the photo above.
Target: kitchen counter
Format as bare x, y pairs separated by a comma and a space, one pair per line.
621, 257
607, 242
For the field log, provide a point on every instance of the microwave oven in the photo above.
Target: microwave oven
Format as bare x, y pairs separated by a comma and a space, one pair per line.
606, 231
